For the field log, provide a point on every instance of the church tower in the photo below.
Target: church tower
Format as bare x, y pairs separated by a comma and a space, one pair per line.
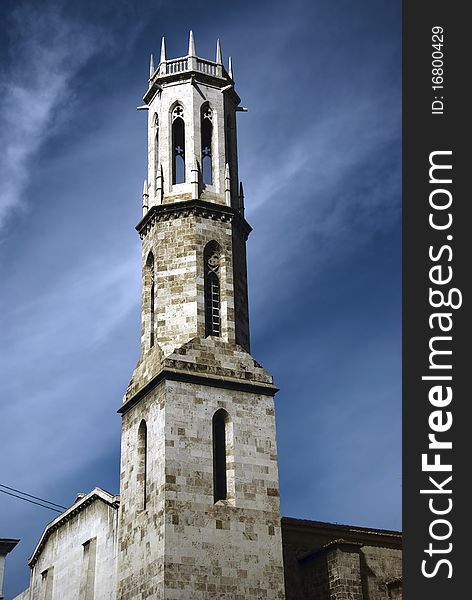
199, 499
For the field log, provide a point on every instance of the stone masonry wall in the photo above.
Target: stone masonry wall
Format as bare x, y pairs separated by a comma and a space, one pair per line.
179, 543
178, 245
231, 549
141, 532
241, 308
184, 545
379, 566
344, 574
325, 561
343, 571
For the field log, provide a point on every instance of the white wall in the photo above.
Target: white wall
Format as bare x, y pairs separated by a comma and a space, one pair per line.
64, 551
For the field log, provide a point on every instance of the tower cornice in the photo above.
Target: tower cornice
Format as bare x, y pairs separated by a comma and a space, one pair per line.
182, 69
265, 389
209, 210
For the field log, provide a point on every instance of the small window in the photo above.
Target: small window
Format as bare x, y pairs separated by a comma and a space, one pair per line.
150, 288
156, 146
142, 465
211, 257
220, 452
207, 144
228, 139
178, 145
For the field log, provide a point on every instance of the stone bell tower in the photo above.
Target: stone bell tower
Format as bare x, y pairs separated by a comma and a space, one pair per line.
199, 508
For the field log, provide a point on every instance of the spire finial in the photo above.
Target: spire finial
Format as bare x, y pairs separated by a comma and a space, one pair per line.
163, 50
195, 179
191, 45
241, 198
219, 60
145, 198
227, 185
151, 67
159, 186
230, 67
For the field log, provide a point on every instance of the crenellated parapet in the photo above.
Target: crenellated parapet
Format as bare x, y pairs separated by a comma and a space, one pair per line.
192, 145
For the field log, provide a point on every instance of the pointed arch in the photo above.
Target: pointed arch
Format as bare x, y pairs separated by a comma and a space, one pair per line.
206, 127
228, 139
178, 144
155, 125
212, 258
150, 295
223, 456
142, 465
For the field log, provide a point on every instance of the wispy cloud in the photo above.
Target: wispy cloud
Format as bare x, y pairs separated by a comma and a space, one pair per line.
319, 160
322, 145
94, 301
46, 52
327, 178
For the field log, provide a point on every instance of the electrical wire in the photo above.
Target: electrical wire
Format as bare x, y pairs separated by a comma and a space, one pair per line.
43, 503
31, 496
31, 501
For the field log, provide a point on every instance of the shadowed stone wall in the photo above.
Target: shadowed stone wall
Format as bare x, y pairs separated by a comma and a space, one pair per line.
323, 561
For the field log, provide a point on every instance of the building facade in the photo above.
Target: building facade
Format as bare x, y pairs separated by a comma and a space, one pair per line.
198, 515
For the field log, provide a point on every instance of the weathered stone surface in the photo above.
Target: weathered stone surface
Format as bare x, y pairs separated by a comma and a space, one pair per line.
62, 551
177, 246
323, 561
183, 544
206, 357
230, 548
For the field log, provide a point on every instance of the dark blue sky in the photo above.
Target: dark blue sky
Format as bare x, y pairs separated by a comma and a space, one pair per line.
320, 160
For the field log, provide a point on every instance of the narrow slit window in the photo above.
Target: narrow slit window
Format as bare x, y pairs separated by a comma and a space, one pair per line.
151, 340
212, 290
178, 145
220, 481
151, 287
207, 143
142, 465
156, 146
228, 139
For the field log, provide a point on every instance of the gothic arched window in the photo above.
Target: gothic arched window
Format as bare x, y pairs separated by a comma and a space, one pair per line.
228, 139
156, 145
151, 290
142, 465
211, 257
221, 424
178, 145
207, 141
